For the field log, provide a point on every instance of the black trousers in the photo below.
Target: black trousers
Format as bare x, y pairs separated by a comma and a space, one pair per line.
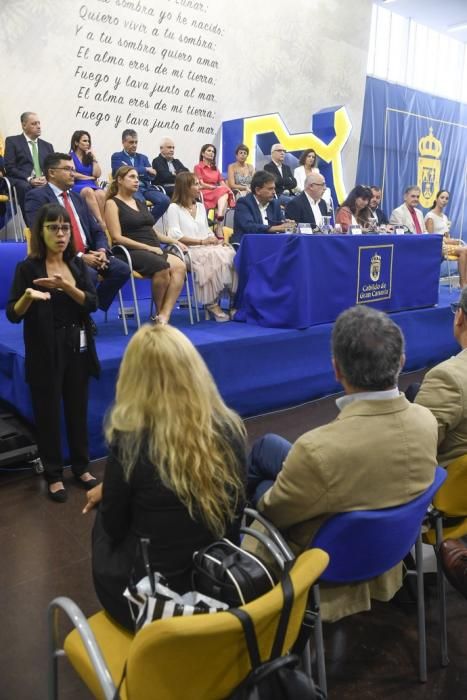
69, 384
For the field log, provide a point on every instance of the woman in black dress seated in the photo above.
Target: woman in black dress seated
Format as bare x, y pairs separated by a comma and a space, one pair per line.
131, 224
175, 471
52, 292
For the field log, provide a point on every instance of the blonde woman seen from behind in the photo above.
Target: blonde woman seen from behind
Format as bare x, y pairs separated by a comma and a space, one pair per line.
212, 260
175, 472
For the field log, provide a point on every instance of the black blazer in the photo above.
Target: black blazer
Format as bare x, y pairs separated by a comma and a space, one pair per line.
18, 159
299, 210
286, 181
381, 216
38, 326
248, 219
37, 196
164, 176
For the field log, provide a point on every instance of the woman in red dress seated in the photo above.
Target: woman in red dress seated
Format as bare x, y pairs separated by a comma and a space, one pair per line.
216, 194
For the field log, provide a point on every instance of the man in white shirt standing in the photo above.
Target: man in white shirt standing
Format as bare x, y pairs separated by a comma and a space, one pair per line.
309, 207
25, 155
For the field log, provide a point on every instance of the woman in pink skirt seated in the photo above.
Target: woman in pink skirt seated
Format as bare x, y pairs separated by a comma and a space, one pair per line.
211, 259
216, 194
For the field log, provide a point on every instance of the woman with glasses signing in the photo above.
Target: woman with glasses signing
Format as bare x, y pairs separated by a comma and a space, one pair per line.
52, 292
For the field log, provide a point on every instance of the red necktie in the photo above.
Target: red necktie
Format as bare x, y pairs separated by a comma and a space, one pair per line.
79, 245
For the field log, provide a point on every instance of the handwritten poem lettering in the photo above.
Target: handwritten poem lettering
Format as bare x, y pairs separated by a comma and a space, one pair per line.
138, 66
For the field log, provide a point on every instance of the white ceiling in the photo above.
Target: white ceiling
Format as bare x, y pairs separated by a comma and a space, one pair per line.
437, 14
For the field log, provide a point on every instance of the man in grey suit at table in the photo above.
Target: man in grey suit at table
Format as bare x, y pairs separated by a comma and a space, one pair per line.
25, 155
259, 211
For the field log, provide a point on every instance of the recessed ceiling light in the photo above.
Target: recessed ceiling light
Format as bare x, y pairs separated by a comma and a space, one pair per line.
457, 27
385, 2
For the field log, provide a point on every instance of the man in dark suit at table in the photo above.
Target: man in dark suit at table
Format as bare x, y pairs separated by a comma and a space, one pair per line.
25, 155
285, 181
107, 272
140, 162
375, 201
308, 207
167, 167
259, 211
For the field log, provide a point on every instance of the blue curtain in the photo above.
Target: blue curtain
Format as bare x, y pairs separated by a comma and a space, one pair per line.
410, 137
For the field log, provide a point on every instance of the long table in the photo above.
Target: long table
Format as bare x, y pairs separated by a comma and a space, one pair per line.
297, 281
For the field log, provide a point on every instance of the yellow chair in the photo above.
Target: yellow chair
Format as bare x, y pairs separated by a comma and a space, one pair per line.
450, 257
450, 504
203, 657
448, 519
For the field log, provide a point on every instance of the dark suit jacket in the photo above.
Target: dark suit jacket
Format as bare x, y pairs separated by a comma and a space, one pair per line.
164, 176
381, 216
18, 159
39, 331
248, 219
140, 163
38, 196
286, 181
299, 210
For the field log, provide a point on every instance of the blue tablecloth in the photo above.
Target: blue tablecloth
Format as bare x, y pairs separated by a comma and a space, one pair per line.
296, 281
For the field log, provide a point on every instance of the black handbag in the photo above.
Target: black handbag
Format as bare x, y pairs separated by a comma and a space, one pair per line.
225, 572
278, 678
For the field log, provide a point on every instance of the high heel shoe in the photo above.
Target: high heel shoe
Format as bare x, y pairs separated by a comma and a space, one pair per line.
217, 314
219, 228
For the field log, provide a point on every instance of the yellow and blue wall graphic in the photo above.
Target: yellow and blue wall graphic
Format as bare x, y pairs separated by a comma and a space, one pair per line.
329, 131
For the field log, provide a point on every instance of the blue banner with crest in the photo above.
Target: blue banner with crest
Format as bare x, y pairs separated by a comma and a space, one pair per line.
413, 138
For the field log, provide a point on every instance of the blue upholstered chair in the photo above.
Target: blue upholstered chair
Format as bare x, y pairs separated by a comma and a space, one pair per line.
363, 544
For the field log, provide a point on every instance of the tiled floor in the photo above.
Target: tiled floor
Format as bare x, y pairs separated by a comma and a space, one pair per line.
45, 552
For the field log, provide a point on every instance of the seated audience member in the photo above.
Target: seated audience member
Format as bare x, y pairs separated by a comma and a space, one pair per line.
107, 272
239, 174
178, 482
407, 215
146, 174
52, 292
131, 224
309, 207
444, 392
216, 194
212, 260
355, 210
25, 155
436, 221
285, 181
259, 211
308, 164
87, 172
380, 452
375, 201
167, 167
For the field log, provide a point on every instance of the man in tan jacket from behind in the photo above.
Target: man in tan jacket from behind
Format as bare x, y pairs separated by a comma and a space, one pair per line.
444, 392
379, 452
